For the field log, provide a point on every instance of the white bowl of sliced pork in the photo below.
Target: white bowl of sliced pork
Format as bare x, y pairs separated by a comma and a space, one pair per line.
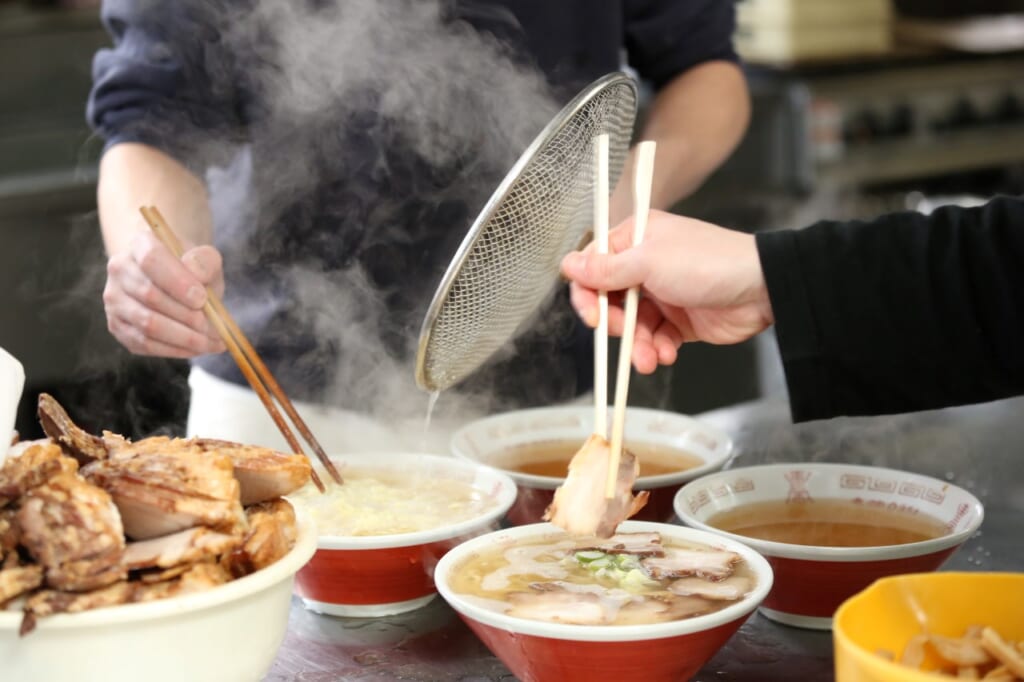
159, 559
653, 597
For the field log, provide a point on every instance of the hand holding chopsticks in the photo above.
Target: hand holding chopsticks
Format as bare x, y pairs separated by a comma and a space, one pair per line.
249, 362
642, 180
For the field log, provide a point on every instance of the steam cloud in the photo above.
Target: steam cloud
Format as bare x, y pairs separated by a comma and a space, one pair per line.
405, 120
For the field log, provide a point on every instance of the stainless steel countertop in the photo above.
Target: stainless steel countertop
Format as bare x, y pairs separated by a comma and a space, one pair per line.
980, 448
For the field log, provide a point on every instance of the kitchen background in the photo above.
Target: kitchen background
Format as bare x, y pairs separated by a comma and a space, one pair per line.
860, 106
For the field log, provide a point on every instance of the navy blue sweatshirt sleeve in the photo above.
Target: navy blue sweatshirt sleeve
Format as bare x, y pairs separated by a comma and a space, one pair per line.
165, 81
666, 37
903, 313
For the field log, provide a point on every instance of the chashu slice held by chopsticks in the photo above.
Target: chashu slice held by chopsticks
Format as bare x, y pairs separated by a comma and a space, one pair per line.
581, 507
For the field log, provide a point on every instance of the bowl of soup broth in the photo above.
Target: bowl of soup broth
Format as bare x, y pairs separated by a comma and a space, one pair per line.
534, 447
830, 530
382, 532
655, 601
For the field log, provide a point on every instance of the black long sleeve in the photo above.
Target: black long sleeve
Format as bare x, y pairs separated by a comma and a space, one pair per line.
903, 313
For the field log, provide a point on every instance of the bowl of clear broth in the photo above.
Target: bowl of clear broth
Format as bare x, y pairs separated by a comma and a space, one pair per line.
534, 447
382, 532
830, 530
655, 600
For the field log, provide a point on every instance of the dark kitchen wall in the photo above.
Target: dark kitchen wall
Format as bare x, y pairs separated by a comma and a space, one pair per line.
51, 256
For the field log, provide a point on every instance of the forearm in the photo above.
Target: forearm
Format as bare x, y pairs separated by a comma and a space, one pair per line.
903, 313
697, 120
135, 175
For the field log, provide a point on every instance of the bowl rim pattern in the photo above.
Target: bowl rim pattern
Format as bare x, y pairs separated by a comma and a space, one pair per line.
720, 454
834, 554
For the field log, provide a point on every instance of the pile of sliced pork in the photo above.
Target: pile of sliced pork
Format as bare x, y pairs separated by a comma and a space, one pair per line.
89, 521
694, 582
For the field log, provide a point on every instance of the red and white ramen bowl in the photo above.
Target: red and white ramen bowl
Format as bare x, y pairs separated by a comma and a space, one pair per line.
498, 441
546, 651
811, 581
378, 575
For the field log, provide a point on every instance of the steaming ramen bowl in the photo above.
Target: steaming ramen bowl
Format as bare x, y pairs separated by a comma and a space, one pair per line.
382, 532
830, 530
551, 650
534, 447
888, 614
229, 632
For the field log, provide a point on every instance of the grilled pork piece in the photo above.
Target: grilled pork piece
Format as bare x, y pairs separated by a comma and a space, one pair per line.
73, 529
198, 578
580, 506
17, 581
77, 443
680, 563
262, 473
10, 537
159, 493
184, 547
271, 535
34, 466
49, 602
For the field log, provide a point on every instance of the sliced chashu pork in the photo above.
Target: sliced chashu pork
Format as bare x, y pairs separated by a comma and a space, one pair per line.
638, 544
35, 465
263, 473
730, 589
17, 581
73, 529
75, 441
680, 563
165, 491
271, 535
188, 546
580, 506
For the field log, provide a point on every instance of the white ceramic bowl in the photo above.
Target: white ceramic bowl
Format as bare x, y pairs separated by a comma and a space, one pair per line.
380, 575
812, 581
542, 651
227, 634
489, 440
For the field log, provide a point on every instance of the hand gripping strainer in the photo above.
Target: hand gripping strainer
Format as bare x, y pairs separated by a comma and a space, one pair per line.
508, 262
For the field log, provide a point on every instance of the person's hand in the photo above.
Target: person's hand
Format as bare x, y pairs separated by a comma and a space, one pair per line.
699, 282
154, 302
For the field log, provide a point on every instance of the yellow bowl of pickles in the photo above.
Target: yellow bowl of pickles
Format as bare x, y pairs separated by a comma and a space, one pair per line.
928, 627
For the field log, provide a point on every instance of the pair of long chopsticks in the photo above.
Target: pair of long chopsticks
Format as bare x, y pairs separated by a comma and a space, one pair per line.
642, 178
248, 360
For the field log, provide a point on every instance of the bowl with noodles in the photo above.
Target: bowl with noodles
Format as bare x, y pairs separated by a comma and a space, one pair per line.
655, 600
927, 627
383, 531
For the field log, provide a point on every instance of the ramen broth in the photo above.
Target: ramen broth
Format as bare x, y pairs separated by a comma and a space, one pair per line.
551, 458
828, 523
551, 579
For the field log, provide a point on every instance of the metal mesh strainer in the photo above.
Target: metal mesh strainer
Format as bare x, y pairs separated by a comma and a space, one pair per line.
508, 262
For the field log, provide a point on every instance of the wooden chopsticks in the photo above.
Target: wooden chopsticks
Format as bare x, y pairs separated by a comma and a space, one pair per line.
642, 179
249, 362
